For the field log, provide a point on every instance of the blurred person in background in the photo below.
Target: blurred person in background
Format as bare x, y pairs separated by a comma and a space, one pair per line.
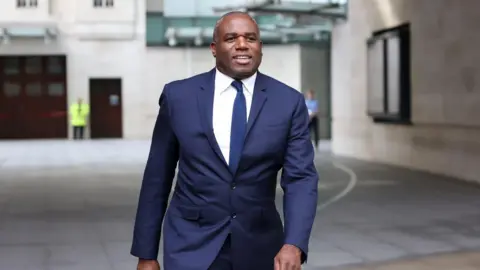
312, 106
79, 112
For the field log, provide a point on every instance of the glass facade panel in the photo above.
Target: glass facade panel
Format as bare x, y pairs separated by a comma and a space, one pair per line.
33, 89
55, 65
193, 8
156, 28
11, 65
184, 22
56, 89
33, 65
11, 89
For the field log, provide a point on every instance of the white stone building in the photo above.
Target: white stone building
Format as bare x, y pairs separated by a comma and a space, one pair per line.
103, 45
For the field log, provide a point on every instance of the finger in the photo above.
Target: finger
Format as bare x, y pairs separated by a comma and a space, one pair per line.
285, 265
290, 266
277, 264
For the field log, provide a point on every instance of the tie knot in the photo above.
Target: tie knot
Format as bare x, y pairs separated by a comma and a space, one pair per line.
238, 85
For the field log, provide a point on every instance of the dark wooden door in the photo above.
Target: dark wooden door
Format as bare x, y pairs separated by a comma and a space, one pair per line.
33, 97
10, 102
106, 108
11, 99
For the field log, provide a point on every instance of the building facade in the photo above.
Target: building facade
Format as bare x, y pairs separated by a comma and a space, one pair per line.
114, 55
442, 133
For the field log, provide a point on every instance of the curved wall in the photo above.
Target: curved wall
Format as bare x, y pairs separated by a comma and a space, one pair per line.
445, 71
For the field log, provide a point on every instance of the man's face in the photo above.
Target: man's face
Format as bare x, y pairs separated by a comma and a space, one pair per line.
237, 47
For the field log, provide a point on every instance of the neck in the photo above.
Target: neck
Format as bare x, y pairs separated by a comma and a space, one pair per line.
238, 77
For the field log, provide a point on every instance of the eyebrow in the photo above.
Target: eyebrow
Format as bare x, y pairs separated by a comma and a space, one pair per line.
244, 34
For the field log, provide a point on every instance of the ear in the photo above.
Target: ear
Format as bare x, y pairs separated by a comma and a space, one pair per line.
213, 48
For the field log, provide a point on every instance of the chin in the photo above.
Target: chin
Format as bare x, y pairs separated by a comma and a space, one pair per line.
240, 75
245, 71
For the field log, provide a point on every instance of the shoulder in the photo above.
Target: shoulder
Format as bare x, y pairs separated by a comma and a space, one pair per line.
182, 87
193, 80
283, 91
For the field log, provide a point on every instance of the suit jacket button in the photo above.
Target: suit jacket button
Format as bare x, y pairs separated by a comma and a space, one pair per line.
234, 185
234, 215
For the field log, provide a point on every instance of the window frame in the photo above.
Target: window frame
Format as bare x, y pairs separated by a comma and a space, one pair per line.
27, 3
402, 70
103, 3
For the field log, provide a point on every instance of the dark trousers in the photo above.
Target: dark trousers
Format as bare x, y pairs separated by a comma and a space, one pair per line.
313, 127
78, 132
224, 257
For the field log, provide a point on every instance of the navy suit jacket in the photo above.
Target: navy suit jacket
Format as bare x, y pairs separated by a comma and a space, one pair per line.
210, 201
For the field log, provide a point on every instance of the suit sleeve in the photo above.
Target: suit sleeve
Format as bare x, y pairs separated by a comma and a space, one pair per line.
299, 182
156, 185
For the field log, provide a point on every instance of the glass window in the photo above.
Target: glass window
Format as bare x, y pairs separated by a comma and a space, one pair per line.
375, 77
101, 3
393, 51
11, 65
33, 89
21, 3
56, 89
55, 65
11, 89
389, 74
33, 65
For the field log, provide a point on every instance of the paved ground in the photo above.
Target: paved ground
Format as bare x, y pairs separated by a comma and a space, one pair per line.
450, 261
63, 206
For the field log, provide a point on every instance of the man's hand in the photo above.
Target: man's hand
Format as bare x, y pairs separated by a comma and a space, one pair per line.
288, 258
148, 265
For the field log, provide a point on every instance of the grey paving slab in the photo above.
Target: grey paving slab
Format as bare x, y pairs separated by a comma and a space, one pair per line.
53, 153
331, 258
70, 205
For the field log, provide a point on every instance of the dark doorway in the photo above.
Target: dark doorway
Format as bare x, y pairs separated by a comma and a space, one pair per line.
33, 97
106, 108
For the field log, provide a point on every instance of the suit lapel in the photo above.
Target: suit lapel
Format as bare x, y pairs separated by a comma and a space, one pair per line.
258, 100
205, 106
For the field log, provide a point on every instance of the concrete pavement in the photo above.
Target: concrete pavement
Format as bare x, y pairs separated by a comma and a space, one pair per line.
70, 205
449, 261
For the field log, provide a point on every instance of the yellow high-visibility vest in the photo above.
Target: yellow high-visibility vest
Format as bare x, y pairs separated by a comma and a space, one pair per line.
79, 114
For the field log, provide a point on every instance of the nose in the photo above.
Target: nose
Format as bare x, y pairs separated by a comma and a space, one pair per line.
241, 43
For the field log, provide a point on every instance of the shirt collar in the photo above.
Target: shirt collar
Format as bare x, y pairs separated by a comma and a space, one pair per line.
222, 82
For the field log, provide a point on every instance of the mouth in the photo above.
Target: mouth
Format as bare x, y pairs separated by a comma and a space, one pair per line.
242, 59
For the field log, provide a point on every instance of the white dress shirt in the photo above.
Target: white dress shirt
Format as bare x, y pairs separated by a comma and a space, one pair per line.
223, 100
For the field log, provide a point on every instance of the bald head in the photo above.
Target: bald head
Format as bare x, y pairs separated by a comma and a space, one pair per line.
236, 45
226, 15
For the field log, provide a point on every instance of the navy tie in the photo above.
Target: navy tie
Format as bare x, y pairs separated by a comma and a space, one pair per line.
239, 126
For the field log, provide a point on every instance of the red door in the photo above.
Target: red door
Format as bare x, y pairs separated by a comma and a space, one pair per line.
55, 117
106, 108
33, 97
10, 101
10, 98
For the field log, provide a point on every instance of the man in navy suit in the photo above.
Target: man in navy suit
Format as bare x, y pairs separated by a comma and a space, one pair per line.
231, 130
